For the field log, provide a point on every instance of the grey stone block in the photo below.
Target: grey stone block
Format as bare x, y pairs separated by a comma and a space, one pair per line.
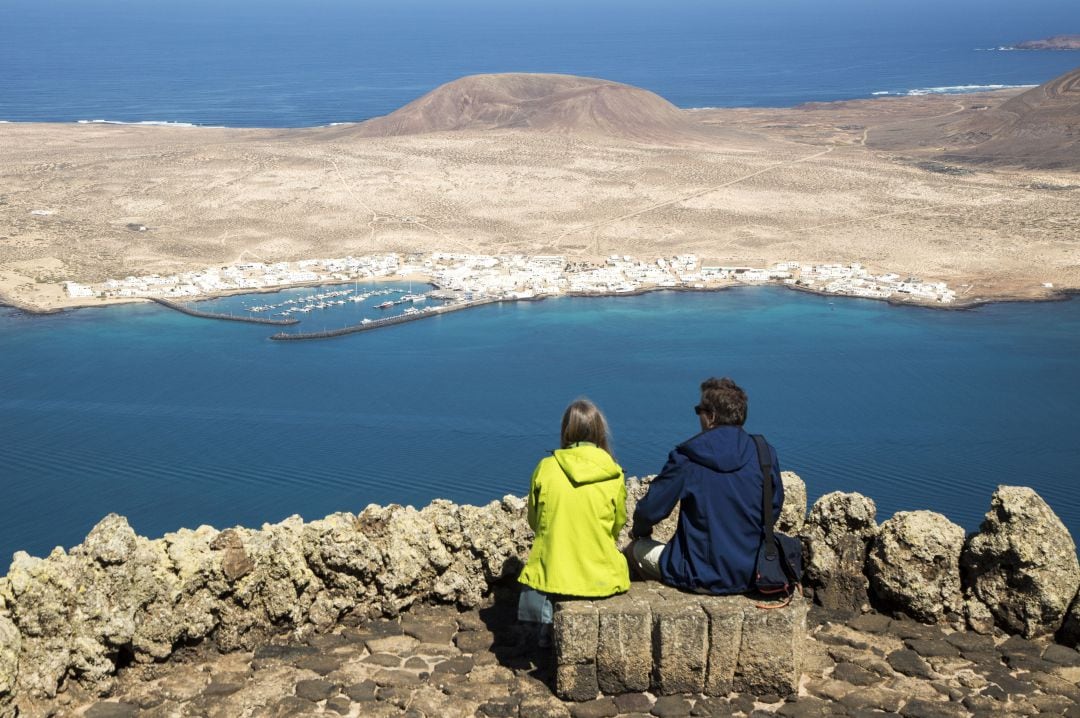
624, 656
576, 682
576, 629
725, 639
677, 643
770, 656
680, 639
575, 635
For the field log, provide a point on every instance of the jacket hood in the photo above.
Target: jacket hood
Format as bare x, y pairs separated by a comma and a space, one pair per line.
587, 464
724, 449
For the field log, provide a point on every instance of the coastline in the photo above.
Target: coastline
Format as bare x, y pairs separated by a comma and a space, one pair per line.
1056, 295
106, 303
782, 144
180, 125
1052, 295
449, 309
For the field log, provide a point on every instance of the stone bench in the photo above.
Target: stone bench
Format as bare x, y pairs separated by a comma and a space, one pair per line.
658, 638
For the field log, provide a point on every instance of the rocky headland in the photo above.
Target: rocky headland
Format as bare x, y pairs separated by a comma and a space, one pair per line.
1036, 126
399, 611
1057, 42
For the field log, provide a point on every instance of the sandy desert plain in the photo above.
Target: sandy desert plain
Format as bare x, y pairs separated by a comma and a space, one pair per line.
554, 164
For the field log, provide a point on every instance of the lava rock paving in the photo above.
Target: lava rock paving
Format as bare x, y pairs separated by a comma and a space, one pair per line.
435, 661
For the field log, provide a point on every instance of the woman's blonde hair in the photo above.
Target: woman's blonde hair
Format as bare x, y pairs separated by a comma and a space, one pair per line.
582, 421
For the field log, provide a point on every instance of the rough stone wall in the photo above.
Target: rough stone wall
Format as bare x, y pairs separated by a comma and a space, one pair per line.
119, 598
1019, 572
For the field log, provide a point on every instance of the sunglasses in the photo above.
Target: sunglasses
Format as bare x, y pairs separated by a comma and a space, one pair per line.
699, 410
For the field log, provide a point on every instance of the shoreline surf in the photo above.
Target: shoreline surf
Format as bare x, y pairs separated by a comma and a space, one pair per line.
960, 89
1054, 295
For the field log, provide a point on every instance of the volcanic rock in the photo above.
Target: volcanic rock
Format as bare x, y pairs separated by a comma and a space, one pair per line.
793, 514
1022, 564
914, 564
836, 536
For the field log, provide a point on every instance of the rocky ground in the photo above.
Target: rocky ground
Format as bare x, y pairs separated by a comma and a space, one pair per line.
439, 661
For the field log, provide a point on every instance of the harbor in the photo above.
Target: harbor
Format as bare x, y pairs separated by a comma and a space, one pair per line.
224, 317
365, 325
463, 281
330, 299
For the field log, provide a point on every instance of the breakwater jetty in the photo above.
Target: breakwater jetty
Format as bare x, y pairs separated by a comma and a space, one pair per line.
405, 607
370, 324
184, 309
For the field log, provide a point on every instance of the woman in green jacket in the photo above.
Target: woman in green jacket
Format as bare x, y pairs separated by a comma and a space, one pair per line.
577, 506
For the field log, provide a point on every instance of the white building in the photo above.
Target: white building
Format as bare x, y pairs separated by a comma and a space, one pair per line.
74, 289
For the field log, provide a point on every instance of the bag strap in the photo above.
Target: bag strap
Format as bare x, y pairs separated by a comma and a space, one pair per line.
765, 461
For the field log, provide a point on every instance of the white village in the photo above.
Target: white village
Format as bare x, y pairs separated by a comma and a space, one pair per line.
517, 276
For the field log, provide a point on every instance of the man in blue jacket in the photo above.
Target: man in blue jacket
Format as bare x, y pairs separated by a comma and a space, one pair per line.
715, 477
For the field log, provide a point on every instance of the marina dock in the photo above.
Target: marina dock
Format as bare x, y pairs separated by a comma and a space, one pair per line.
380, 323
183, 309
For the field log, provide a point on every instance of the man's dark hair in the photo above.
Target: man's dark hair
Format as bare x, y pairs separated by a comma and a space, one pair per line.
723, 402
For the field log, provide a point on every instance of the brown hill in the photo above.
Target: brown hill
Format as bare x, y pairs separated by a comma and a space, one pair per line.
548, 103
1038, 129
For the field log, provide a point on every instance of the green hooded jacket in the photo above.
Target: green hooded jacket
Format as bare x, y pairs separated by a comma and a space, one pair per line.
577, 506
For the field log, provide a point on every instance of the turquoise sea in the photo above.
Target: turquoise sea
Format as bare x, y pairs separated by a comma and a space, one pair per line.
176, 421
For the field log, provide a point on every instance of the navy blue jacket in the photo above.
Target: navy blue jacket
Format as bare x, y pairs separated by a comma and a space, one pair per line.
715, 478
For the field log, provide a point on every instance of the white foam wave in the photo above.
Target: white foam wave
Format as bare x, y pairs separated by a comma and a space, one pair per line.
159, 123
961, 89
948, 90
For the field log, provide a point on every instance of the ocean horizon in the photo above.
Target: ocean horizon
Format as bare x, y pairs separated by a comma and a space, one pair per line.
238, 64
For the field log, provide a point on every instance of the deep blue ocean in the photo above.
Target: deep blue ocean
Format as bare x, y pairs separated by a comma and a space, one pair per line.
281, 63
176, 421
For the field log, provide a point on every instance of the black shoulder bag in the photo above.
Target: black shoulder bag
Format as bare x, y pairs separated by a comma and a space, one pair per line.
778, 569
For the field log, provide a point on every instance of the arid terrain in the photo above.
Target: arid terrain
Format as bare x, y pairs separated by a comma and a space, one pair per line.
980, 191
